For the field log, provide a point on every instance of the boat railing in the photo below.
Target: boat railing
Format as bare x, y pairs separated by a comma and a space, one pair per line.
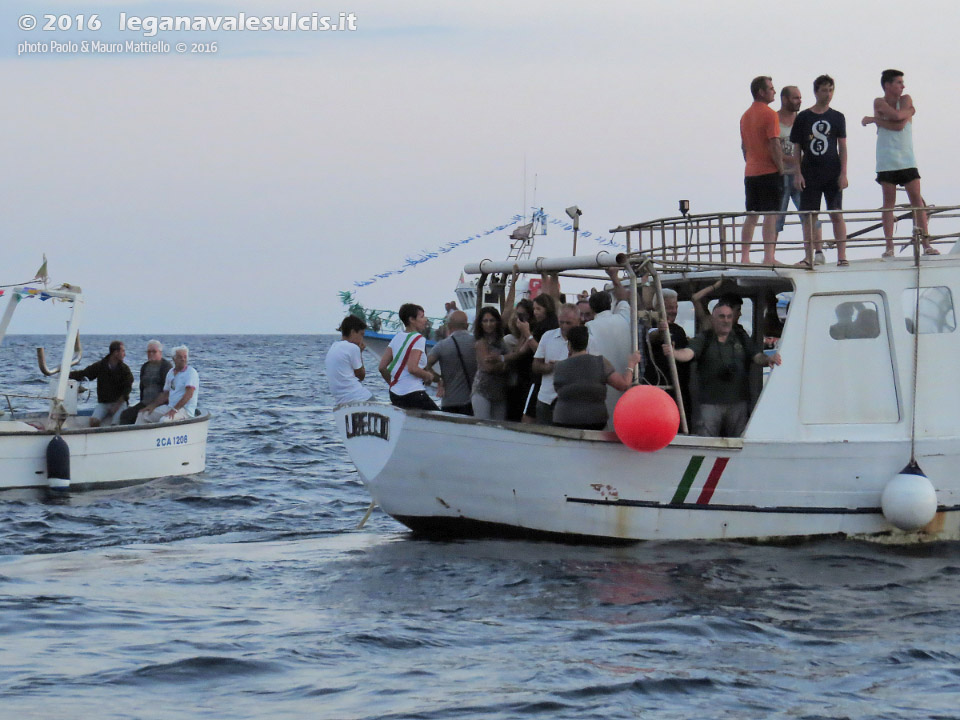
14, 411
716, 239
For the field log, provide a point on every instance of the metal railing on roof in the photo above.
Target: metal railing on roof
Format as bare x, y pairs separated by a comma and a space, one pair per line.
716, 239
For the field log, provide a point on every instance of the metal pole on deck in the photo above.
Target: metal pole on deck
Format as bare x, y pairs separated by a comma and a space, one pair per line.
671, 360
634, 340
648, 266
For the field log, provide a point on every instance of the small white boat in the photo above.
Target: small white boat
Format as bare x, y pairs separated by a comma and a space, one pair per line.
857, 433
58, 449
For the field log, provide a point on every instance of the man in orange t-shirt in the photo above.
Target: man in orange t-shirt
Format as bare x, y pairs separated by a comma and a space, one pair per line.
760, 143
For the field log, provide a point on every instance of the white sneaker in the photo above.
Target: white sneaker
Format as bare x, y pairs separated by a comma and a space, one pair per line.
819, 259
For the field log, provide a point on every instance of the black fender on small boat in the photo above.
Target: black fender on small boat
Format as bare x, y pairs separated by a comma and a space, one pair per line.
58, 463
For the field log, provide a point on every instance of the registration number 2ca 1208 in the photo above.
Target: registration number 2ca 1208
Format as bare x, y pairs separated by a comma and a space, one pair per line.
175, 440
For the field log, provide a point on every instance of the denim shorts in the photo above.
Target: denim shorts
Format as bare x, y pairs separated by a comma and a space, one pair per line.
790, 192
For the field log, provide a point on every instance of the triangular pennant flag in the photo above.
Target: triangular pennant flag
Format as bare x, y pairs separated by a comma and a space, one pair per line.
42, 272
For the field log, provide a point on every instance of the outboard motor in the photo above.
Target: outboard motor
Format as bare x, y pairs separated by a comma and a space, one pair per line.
58, 464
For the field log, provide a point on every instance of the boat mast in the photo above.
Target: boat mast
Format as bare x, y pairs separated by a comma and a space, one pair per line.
73, 330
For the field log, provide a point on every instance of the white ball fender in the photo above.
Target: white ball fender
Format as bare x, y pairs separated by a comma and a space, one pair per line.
909, 501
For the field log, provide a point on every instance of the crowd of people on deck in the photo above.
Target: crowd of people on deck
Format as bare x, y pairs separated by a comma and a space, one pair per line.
168, 391
566, 364
551, 362
802, 155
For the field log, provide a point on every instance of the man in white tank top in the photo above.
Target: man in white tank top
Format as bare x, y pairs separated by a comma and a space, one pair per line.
790, 100
893, 115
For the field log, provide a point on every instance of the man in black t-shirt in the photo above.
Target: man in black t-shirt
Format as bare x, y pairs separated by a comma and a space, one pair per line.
819, 137
657, 370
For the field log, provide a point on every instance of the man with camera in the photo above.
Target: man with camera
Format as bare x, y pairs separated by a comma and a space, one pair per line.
723, 371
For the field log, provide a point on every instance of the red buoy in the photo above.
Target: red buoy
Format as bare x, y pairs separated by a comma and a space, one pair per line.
646, 418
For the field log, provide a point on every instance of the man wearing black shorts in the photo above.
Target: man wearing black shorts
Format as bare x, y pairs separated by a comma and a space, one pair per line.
896, 165
760, 143
819, 137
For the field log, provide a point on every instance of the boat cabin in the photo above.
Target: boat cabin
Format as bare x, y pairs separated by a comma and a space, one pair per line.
860, 344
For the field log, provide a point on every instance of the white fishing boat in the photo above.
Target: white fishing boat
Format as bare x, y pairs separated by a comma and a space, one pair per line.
58, 449
857, 433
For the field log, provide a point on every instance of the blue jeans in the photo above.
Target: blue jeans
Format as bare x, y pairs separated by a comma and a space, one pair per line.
789, 191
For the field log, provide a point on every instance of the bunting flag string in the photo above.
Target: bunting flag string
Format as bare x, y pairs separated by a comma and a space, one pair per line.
30, 293
412, 261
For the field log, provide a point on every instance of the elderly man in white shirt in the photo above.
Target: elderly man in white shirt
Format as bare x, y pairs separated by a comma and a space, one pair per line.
610, 333
178, 399
551, 350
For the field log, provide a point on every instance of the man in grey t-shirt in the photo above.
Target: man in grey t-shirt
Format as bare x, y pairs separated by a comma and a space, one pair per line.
152, 375
458, 365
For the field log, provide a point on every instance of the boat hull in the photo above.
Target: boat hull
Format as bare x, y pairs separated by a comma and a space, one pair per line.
107, 456
445, 475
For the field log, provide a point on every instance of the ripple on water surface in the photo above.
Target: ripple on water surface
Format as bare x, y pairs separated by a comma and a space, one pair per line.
247, 592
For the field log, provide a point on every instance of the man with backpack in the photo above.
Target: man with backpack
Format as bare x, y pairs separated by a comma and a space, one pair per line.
723, 372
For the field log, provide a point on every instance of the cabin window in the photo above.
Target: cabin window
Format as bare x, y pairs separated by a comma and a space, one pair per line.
855, 320
934, 312
686, 317
847, 373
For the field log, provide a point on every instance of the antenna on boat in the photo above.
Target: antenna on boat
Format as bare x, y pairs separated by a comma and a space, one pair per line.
535, 176
524, 187
574, 213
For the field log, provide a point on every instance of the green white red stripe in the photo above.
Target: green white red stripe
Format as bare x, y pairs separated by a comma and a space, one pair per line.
690, 474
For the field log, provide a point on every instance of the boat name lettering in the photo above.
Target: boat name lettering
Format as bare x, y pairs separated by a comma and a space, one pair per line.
175, 440
368, 423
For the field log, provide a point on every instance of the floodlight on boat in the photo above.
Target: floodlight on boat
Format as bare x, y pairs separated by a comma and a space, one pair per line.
684, 207
574, 213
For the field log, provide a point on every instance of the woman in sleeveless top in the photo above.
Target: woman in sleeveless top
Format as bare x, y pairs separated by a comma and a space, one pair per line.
581, 384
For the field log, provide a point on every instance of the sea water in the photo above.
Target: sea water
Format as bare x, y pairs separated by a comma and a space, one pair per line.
249, 592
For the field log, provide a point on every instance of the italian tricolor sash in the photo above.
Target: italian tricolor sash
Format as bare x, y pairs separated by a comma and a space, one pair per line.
408, 345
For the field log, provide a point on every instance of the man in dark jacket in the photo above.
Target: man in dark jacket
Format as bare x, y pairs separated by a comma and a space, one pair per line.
152, 375
114, 382
723, 358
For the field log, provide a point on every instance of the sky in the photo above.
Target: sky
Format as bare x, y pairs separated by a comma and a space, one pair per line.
239, 191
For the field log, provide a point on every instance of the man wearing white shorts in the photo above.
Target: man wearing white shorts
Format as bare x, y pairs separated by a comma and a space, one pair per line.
114, 382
